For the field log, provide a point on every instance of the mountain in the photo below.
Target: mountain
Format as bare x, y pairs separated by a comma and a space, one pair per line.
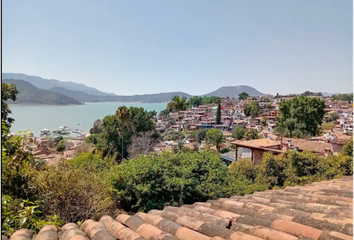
233, 92
46, 84
82, 96
152, 98
29, 94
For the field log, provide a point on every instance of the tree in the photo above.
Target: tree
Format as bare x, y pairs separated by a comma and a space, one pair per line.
344, 97
195, 101
307, 112
218, 114
264, 121
177, 105
238, 133
122, 115
8, 91
61, 146
243, 96
290, 128
215, 137
247, 110
199, 135
348, 148
97, 127
251, 134
254, 109
164, 113
142, 144
328, 126
333, 117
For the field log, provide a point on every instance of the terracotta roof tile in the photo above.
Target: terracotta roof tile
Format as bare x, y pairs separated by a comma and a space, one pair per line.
320, 210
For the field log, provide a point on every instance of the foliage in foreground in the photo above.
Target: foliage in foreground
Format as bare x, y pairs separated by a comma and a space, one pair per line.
90, 185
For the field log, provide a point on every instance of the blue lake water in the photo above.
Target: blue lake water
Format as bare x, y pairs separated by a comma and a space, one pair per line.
35, 118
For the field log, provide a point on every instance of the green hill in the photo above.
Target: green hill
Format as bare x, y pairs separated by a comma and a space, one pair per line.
29, 94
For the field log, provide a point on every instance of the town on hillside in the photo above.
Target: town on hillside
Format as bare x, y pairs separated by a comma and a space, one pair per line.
248, 127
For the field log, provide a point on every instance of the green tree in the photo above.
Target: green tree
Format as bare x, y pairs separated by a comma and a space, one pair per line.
186, 178
250, 134
344, 97
215, 137
61, 146
243, 96
264, 121
247, 110
238, 133
199, 134
195, 101
254, 109
8, 92
307, 113
164, 113
290, 128
218, 114
177, 105
348, 148
333, 117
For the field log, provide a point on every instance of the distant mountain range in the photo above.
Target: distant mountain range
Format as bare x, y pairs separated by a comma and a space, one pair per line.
58, 92
29, 94
50, 83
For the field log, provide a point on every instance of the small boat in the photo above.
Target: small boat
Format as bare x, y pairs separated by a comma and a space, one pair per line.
77, 123
45, 131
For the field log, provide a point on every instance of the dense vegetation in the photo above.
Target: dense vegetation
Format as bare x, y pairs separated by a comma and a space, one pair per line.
197, 100
29, 94
344, 97
300, 116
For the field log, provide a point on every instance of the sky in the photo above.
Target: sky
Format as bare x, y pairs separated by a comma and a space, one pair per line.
194, 46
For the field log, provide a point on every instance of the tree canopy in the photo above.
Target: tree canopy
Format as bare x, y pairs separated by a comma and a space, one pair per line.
238, 133
302, 114
8, 91
243, 96
215, 137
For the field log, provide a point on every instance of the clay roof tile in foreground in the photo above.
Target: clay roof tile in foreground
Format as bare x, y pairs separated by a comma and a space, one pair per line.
322, 210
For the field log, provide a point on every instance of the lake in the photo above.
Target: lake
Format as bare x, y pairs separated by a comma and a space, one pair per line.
35, 118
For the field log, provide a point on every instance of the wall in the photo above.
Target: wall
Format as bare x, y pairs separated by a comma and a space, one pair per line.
257, 156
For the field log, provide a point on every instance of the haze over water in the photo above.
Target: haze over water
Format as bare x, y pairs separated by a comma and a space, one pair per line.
37, 117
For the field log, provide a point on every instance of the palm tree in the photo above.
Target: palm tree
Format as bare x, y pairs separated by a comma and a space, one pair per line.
177, 105
122, 115
215, 137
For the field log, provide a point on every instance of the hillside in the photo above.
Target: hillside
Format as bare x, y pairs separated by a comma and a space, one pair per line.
233, 92
29, 94
152, 98
82, 96
46, 84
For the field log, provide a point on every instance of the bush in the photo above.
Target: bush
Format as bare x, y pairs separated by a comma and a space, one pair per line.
238, 133
74, 193
244, 169
19, 213
152, 182
251, 134
61, 146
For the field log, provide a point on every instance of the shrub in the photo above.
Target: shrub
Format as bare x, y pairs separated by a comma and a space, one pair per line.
74, 193
169, 179
238, 133
19, 213
250, 134
244, 169
61, 146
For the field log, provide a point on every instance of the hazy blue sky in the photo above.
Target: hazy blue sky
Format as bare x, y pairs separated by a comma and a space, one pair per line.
195, 46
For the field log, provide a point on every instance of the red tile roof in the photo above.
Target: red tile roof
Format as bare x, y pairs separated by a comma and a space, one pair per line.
322, 210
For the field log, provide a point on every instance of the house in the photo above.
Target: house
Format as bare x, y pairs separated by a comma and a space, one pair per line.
205, 125
222, 127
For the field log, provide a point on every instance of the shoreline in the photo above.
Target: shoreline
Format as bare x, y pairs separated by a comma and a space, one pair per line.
84, 103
